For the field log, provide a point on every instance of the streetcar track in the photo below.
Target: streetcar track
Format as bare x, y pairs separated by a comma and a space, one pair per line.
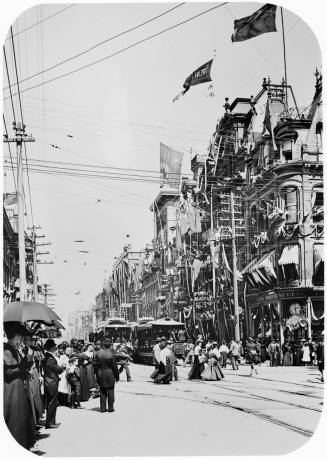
247, 395
265, 398
314, 385
267, 418
281, 381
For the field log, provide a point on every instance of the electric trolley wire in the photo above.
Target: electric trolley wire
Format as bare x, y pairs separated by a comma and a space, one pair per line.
91, 174
81, 118
100, 43
8, 77
121, 50
43, 20
12, 165
23, 125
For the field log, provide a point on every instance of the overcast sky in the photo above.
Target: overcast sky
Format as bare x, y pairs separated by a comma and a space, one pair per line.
120, 109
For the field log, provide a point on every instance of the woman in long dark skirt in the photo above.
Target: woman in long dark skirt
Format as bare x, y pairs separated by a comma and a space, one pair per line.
82, 363
198, 364
287, 355
165, 371
90, 367
16, 406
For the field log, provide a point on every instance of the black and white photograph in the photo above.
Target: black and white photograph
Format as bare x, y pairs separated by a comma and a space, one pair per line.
163, 230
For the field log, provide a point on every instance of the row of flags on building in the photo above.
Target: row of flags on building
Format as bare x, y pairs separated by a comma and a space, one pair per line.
260, 22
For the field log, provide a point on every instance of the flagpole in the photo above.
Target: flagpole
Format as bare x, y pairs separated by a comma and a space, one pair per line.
284, 48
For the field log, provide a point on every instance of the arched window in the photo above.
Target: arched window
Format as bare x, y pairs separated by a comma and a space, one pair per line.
289, 198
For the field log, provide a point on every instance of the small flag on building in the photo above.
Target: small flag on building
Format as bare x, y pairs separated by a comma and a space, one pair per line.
10, 198
170, 166
200, 75
260, 22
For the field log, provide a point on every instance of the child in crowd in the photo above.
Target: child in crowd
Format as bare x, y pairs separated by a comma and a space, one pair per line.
74, 379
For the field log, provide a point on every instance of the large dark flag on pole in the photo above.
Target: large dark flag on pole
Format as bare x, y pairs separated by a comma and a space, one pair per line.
260, 22
170, 166
200, 75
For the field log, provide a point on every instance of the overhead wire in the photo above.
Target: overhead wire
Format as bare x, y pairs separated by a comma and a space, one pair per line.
8, 77
43, 20
11, 160
86, 117
22, 120
123, 49
101, 43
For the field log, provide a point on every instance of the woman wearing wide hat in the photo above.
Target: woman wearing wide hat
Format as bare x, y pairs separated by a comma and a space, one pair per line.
17, 409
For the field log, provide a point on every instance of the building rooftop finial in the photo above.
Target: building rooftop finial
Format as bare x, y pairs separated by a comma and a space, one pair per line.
226, 105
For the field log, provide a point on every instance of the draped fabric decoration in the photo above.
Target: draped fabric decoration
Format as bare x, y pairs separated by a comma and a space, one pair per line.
267, 263
262, 271
290, 255
246, 272
313, 315
318, 256
215, 255
195, 270
239, 276
187, 312
274, 312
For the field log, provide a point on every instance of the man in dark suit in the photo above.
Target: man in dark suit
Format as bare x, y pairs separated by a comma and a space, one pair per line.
51, 372
107, 375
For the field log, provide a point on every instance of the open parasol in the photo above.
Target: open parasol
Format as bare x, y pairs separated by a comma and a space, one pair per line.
24, 311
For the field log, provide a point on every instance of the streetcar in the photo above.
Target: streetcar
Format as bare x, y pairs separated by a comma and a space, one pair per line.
148, 329
117, 330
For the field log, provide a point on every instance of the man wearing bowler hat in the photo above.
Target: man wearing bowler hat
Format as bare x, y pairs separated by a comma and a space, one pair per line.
51, 372
107, 375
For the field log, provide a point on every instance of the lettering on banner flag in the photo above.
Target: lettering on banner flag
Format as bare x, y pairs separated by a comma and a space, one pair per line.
260, 22
170, 166
200, 75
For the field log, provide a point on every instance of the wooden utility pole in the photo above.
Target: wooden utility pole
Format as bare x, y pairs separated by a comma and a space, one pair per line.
19, 139
211, 245
235, 287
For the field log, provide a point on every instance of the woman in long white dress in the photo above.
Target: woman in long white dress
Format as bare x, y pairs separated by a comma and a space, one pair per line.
213, 370
306, 358
63, 388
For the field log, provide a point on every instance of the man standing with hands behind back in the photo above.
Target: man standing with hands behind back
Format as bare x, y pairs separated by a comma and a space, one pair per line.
51, 382
107, 375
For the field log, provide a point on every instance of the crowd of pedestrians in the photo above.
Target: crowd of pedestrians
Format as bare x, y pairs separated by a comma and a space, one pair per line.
252, 352
40, 377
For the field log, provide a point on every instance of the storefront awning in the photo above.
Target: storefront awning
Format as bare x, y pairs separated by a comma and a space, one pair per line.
267, 262
290, 255
249, 266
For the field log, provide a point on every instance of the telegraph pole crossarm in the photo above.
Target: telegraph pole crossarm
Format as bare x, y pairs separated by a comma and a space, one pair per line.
20, 138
